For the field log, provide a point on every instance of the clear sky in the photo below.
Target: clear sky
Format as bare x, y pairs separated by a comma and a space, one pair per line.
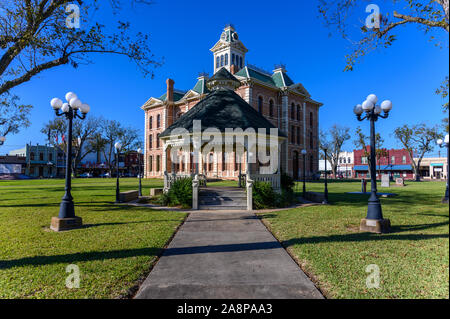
291, 32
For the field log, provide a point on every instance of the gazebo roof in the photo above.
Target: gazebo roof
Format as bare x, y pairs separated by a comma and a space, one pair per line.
222, 109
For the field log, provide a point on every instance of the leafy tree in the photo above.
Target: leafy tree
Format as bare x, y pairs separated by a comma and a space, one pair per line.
34, 37
417, 140
425, 14
13, 115
443, 92
333, 141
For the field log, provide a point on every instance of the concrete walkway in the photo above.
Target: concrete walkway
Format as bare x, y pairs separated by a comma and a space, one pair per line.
226, 255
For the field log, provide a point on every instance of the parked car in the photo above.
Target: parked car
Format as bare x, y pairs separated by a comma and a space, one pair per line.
104, 175
85, 175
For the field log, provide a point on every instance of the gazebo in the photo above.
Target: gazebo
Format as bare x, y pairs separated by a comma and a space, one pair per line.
222, 124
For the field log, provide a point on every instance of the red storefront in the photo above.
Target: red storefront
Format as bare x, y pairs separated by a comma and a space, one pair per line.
395, 162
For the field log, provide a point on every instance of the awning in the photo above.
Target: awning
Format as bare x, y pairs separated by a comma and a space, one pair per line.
384, 168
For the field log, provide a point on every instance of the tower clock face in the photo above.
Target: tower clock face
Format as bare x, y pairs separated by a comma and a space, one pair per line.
223, 36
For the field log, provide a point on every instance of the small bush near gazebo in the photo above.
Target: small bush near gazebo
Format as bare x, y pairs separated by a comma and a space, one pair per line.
179, 194
265, 197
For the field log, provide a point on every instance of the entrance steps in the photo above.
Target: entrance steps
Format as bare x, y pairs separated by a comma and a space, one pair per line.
222, 198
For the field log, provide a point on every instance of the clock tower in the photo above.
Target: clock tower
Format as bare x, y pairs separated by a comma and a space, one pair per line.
229, 51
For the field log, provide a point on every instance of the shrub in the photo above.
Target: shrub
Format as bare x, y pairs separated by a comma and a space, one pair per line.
180, 193
263, 195
285, 198
287, 182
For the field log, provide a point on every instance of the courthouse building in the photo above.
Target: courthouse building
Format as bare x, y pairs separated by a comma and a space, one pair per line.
285, 103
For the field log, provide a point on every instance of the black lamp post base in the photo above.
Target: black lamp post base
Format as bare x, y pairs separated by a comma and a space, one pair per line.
378, 226
61, 224
444, 200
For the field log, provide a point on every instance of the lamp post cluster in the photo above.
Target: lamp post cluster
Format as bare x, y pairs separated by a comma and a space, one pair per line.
66, 218
444, 143
117, 146
374, 221
304, 172
325, 195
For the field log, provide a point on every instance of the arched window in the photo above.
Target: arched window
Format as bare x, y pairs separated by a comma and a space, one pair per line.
157, 140
310, 119
226, 58
292, 134
221, 60
232, 59
158, 121
271, 108
240, 62
211, 162
150, 163
32, 156
298, 112
150, 122
217, 62
311, 164
298, 135
260, 104
158, 163
311, 142
293, 111
150, 141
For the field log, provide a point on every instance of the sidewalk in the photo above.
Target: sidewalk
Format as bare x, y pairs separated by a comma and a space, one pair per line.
226, 255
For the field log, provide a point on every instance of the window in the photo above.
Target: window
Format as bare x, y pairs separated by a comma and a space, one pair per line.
50, 157
150, 163
150, 141
223, 162
311, 142
311, 164
340, 160
232, 59
298, 135
392, 159
260, 104
298, 112
158, 163
157, 140
226, 58
404, 159
310, 119
41, 156
211, 162
292, 111
150, 122
344, 160
271, 108
349, 160
292, 134
363, 159
221, 60
217, 62
158, 121
240, 62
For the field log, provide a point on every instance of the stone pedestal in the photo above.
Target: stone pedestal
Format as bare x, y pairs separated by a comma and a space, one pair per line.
60, 224
375, 225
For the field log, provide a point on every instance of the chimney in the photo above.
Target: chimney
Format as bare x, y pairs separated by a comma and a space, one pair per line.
170, 84
233, 69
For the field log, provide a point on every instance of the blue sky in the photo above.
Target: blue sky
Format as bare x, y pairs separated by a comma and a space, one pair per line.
291, 32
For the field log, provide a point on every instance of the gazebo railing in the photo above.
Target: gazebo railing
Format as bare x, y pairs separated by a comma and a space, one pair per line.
273, 179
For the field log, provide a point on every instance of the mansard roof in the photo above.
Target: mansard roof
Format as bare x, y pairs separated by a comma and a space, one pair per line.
177, 95
200, 86
222, 108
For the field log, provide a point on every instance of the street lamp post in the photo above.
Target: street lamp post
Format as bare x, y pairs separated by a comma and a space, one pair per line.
139, 151
117, 146
444, 143
66, 219
304, 172
325, 199
374, 221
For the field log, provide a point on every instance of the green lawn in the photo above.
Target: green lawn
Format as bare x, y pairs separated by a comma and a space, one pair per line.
413, 259
114, 249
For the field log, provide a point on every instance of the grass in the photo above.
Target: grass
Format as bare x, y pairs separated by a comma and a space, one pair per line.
114, 249
413, 259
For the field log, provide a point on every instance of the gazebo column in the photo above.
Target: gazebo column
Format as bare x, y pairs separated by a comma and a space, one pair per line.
164, 168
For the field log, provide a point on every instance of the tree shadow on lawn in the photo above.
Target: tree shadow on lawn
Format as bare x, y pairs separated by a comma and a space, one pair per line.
79, 257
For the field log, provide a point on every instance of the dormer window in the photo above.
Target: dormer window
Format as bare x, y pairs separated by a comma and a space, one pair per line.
217, 62
226, 58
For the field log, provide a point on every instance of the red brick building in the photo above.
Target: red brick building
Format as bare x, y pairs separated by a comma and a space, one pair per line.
286, 104
393, 162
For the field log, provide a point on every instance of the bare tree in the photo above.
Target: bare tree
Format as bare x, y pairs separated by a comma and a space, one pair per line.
333, 141
83, 132
363, 142
13, 116
417, 140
